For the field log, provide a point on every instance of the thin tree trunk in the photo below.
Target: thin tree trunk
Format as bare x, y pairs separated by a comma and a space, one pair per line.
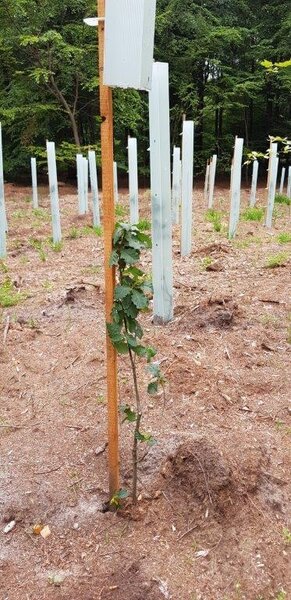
71, 113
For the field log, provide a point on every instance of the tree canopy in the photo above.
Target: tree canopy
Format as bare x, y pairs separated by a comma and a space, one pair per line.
215, 49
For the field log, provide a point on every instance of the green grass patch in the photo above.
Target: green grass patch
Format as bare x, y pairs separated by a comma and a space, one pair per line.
282, 199
206, 262
56, 246
214, 217
277, 260
253, 213
20, 214
3, 267
144, 225
120, 211
38, 246
9, 296
74, 233
284, 237
40, 213
90, 230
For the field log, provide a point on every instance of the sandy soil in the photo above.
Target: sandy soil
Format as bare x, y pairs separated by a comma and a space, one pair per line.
213, 515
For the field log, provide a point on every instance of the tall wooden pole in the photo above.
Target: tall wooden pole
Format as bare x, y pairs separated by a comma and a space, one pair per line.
106, 113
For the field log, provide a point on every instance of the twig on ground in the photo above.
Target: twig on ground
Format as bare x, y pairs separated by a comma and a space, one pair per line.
181, 536
6, 329
47, 472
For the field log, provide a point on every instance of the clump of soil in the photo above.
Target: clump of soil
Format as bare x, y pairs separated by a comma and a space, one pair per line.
198, 468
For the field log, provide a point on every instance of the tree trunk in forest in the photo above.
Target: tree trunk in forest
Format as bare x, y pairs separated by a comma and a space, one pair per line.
70, 112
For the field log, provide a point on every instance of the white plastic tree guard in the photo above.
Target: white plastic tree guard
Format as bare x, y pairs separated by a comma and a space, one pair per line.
235, 187
85, 183
206, 182
54, 195
133, 180
273, 166
187, 186
34, 183
161, 194
80, 183
212, 174
94, 187
289, 183
176, 185
3, 220
129, 43
282, 180
115, 181
253, 194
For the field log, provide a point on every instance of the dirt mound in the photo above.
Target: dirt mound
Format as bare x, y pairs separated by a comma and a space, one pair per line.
197, 468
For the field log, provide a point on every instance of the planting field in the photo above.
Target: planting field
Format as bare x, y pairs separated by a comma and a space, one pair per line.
213, 520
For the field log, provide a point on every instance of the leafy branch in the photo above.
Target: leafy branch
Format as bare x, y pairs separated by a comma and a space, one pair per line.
131, 297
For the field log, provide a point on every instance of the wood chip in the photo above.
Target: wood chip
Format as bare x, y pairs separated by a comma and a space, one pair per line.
45, 532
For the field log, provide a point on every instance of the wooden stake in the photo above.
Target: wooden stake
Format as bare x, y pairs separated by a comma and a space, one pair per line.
106, 112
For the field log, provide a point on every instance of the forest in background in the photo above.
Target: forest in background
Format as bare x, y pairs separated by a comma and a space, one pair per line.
49, 80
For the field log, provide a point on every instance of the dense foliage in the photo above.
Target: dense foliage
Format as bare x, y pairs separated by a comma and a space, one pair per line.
49, 78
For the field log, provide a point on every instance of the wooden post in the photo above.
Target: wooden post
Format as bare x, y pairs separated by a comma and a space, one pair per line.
108, 226
283, 172
206, 182
133, 180
176, 186
80, 183
187, 187
160, 161
115, 182
3, 220
273, 171
94, 187
253, 194
54, 195
289, 183
212, 174
235, 187
34, 183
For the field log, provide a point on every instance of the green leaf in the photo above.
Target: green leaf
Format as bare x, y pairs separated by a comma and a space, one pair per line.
121, 347
129, 255
128, 413
140, 350
114, 258
117, 314
154, 370
139, 299
145, 437
117, 497
121, 291
114, 331
147, 287
134, 327
266, 63
129, 308
151, 352
134, 271
153, 388
132, 341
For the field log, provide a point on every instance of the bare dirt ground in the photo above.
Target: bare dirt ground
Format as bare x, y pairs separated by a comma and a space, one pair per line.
213, 515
